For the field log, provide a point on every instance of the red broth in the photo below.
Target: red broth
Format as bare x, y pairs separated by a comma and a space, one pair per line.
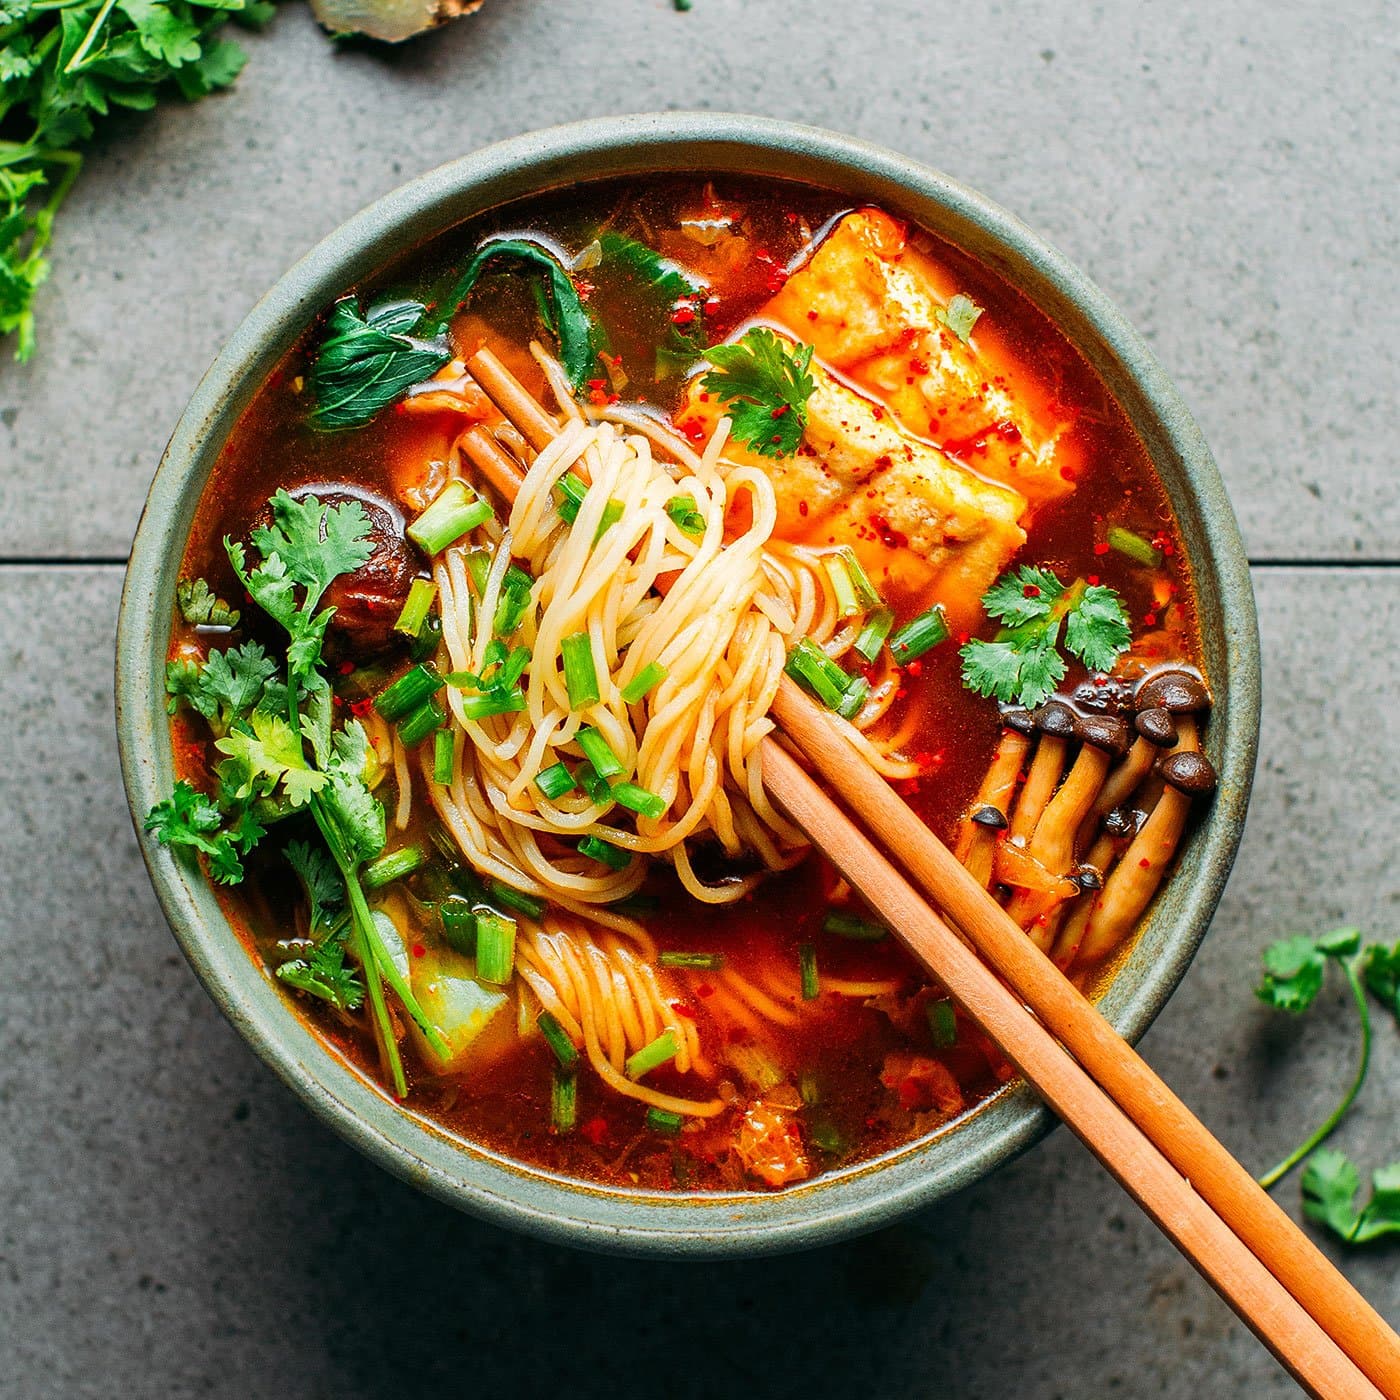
837, 1046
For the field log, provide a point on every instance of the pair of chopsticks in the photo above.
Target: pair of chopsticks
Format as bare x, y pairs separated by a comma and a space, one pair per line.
1279, 1283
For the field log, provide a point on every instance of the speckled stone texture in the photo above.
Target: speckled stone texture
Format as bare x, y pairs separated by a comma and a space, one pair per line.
174, 1224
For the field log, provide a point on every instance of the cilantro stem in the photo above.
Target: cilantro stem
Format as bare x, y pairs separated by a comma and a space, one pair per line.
82, 50
1306, 1147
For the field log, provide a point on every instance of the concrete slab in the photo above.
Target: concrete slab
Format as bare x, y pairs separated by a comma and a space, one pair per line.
1227, 173
176, 1225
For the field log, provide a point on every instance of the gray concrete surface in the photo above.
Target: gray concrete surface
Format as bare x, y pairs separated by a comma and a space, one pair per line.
173, 1224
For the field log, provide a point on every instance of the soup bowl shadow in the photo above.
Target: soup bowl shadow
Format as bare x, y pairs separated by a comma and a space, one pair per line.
864, 1196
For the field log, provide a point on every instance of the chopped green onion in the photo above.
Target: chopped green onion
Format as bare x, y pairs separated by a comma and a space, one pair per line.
847, 604
943, 1023
854, 927
478, 567
865, 590
495, 947
555, 781
518, 900
563, 1102
636, 906
515, 598
872, 635
612, 513
565, 1051
1134, 546
455, 511
702, 962
857, 692
597, 751
597, 849
594, 785
572, 489
807, 966
638, 799
809, 1089
421, 595
921, 635
817, 673
685, 516
409, 691
493, 702
649, 1057
459, 924
827, 1138
416, 727
580, 675
426, 642
444, 753
393, 866
663, 1121
644, 682
512, 668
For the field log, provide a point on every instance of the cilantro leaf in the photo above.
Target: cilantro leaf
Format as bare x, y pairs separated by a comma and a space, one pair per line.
1294, 969
192, 819
358, 814
225, 688
1021, 665
1381, 969
315, 543
200, 607
1330, 1184
960, 315
323, 973
766, 385
272, 754
321, 881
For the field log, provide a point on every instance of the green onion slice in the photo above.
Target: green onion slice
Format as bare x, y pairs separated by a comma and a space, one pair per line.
495, 947
872, 636
563, 1102
649, 1057
416, 727
422, 593
644, 682
458, 924
817, 673
807, 967
393, 866
857, 692
1134, 546
847, 604
597, 849
943, 1023
663, 1121
685, 515
455, 511
565, 1051
493, 702
554, 781
580, 674
854, 927
598, 752
572, 489
700, 962
444, 754
865, 590
639, 799
921, 635
528, 904
408, 692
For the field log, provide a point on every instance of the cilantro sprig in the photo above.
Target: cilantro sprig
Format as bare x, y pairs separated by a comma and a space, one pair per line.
765, 383
1295, 970
67, 65
282, 754
1022, 664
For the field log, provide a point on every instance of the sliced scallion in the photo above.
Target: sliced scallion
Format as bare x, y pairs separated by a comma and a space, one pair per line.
444, 754
555, 781
1134, 546
572, 489
659, 1052
817, 673
407, 693
865, 590
557, 1038
663, 1121
455, 511
700, 962
921, 635
428, 638
827, 1138
685, 516
393, 866
847, 604
580, 674
478, 567
515, 598
809, 1088
527, 904
872, 636
414, 727
612, 513
486, 703
495, 947
598, 752
563, 1101
594, 784
644, 682
943, 1023
458, 923
421, 594
638, 799
807, 967
857, 692
597, 849
854, 927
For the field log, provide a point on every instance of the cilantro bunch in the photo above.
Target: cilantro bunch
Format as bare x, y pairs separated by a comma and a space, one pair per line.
272, 721
765, 385
65, 65
1295, 970
1022, 664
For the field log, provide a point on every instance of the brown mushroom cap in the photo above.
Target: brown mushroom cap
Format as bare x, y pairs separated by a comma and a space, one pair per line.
1019, 718
1122, 821
1104, 695
1055, 718
1155, 725
1180, 692
1106, 732
1190, 772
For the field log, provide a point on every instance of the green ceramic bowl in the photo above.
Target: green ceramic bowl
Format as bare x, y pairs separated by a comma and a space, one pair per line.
873, 1193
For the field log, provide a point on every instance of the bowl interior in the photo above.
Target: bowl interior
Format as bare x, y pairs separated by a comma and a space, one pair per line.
873, 1192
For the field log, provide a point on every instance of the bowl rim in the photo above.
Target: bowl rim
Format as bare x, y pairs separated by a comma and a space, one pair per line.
870, 1194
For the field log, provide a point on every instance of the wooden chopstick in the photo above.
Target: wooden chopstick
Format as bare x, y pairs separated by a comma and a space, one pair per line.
1278, 1282
1276, 1317
1178, 1134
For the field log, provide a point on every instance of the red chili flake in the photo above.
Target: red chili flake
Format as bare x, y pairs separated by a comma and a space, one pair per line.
802, 507
711, 307
918, 364
595, 1130
583, 287
704, 990
1101, 548
889, 536
910, 1094
419, 950
964, 638
811, 315
360, 708
1093, 580
1150, 620
704, 398
346, 667
1030, 591
1145, 863
909, 787
914, 668
683, 315
598, 397
877, 413
778, 412
337, 701
927, 760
